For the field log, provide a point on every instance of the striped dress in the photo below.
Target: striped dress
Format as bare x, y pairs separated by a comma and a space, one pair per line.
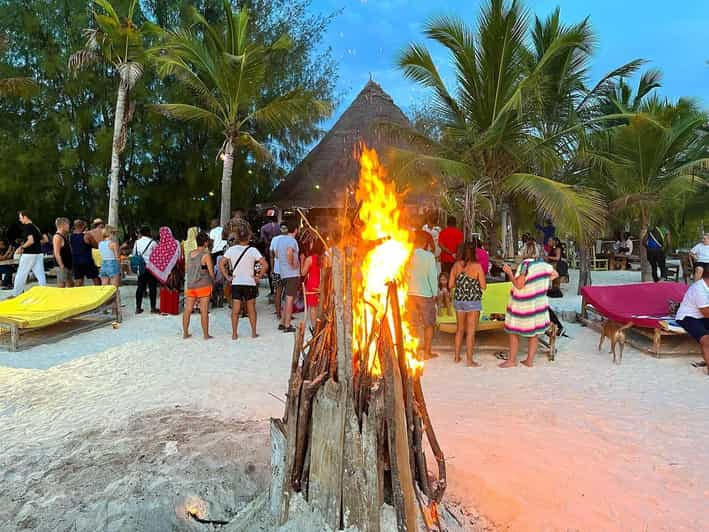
528, 309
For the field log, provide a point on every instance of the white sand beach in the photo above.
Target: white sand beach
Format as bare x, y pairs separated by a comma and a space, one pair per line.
122, 429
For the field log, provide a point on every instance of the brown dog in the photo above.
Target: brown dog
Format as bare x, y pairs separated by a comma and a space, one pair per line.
616, 334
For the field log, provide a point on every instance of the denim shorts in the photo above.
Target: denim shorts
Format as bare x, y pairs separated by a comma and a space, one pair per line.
109, 268
467, 306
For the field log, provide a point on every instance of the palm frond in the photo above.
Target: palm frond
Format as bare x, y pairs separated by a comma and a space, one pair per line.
186, 113
130, 73
645, 198
420, 171
287, 110
260, 152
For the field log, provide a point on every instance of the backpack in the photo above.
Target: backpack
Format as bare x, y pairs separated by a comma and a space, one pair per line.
137, 262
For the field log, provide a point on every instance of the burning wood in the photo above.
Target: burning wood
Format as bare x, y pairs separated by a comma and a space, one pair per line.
352, 435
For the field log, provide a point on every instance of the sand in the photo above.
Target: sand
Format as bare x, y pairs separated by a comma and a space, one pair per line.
125, 429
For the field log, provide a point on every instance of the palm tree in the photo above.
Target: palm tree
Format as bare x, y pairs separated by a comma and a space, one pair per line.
116, 41
492, 129
17, 86
661, 152
225, 70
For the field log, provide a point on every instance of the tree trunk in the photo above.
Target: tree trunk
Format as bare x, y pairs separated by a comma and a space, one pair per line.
225, 212
469, 215
584, 267
121, 107
504, 221
645, 275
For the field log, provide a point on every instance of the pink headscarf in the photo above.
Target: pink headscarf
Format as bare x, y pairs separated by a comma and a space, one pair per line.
165, 255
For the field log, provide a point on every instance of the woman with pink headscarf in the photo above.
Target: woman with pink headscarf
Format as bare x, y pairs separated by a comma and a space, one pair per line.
165, 256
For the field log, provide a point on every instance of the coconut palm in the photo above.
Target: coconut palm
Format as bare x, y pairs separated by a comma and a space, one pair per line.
661, 152
225, 70
491, 124
117, 41
16, 86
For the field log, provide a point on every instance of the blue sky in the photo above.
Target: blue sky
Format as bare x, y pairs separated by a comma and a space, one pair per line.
368, 34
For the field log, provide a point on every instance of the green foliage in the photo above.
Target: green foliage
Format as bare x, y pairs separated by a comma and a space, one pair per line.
55, 148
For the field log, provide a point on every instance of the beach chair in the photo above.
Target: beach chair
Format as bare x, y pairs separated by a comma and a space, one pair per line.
42, 306
598, 264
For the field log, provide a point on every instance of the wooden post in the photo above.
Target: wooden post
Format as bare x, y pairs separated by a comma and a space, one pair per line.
14, 336
278, 465
657, 342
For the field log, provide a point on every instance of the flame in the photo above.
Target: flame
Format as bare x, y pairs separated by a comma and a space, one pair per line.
384, 263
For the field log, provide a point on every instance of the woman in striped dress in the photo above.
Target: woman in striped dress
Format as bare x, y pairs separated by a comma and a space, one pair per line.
528, 309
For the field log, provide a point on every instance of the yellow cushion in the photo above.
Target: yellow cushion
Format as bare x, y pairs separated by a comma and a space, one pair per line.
43, 305
495, 298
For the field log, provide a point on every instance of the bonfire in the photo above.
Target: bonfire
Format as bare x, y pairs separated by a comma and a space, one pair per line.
355, 433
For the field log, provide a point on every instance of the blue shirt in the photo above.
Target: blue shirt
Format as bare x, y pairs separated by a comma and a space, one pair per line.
280, 250
423, 274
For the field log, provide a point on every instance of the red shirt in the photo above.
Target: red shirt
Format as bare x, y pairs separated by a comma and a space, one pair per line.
451, 238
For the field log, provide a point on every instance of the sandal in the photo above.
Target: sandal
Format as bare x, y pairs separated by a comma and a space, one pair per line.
501, 355
290, 329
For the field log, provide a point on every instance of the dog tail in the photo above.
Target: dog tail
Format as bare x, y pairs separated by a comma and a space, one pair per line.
626, 326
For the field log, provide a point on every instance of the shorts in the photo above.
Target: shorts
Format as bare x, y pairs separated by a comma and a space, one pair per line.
467, 306
109, 268
64, 275
199, 292
696, 327
422, 310
85, 270
276, 279
241, 291
703, 265
291, 285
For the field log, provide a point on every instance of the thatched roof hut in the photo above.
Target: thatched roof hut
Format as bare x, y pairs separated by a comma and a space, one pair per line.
320, 180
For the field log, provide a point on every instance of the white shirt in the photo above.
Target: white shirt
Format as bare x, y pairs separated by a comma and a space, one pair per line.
276, 269
696, 297
243, 274
144, 246
216, 236
434, 232
701, 251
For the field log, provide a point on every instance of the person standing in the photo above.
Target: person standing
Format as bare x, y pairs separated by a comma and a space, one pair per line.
6, 253
216, 235
269, 231
81, 257
310, 271
481, 255
62, 254
422, 292
142, 249
244, 277
199, 279
528, 310
110, 272
449, 240
467, 278
700, 254
286, 254
657, 241
693, 313
431, 227
276, 275
548, 231
31, 258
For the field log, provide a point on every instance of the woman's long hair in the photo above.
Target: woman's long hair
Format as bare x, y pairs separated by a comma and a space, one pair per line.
468, 253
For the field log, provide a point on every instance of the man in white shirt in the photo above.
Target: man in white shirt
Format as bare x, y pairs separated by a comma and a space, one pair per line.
693, 313
142, 248
216, 235
287, 256
700, 254
276, 274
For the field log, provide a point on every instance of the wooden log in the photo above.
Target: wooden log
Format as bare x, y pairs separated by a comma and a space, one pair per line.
399, 456
420, 457
327, 452
440, 489
302, 432
342, 285
295, 360
363, 471
278, 464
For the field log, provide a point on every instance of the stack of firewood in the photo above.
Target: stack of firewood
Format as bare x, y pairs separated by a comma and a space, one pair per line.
351, 442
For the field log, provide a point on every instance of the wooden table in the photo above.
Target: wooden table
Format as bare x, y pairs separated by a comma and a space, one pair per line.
15, 262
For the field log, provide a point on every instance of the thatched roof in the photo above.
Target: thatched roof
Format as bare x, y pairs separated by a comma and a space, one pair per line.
321, 178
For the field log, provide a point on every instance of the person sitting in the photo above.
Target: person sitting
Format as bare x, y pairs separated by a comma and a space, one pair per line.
622, 249
700, 255
443, 299
693, 313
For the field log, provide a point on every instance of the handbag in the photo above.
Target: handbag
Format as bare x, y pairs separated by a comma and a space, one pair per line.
137, 262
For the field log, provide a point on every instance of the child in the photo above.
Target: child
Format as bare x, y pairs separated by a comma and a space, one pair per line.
444, 296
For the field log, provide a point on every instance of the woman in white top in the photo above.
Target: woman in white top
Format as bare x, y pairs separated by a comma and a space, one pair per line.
110, 271
244, 277
700, 254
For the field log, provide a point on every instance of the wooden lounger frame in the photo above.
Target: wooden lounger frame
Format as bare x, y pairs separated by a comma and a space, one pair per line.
116, 315
655, 335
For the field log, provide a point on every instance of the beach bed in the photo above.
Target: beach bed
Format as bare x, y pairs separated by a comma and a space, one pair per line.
78, 309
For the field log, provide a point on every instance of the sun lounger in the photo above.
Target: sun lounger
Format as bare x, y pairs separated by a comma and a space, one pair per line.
645, 305
495, 299
42, 306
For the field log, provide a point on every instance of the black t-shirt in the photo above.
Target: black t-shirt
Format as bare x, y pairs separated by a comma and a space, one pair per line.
31, 229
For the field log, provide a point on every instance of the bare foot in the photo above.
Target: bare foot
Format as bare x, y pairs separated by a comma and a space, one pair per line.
473, 364
209, 337
527, 363
507, 364
234, 336
255, 335
456, 359
186, 336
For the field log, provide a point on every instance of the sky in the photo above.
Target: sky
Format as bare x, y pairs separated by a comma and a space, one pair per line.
367, 35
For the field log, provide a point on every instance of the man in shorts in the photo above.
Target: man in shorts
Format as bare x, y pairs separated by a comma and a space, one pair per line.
276, 275
286, 254
81, 258
693, 313
62, 254
423, 288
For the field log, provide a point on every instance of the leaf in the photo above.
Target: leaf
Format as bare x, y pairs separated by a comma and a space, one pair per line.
130, 73
186, 113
